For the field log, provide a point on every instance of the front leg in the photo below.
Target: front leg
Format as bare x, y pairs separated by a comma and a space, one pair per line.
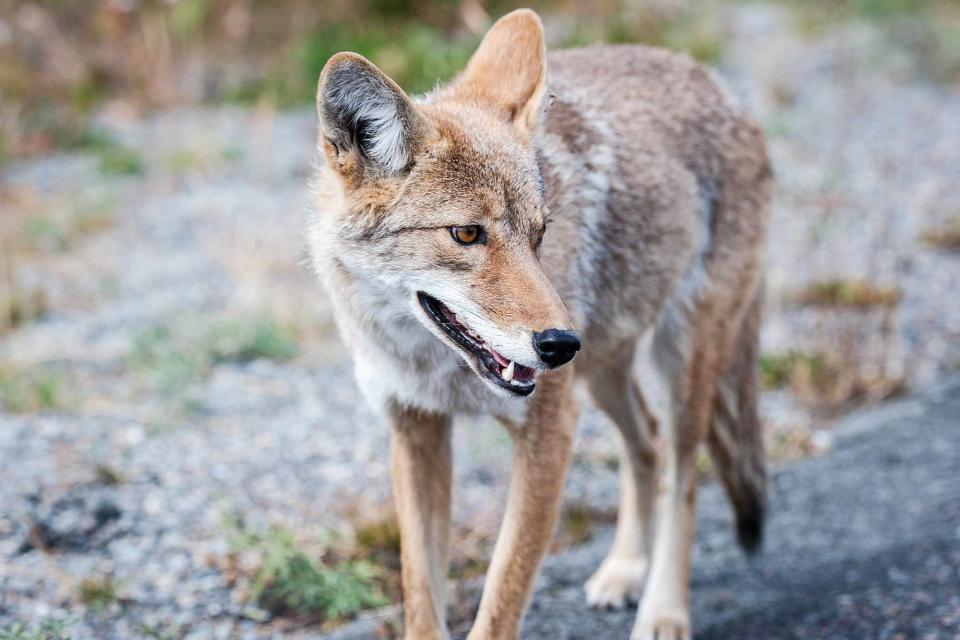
421, 469
543, 444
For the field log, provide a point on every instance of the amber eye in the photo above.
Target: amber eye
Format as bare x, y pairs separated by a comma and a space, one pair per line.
468, 234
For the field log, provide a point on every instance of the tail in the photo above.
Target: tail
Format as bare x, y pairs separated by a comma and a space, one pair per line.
735, 440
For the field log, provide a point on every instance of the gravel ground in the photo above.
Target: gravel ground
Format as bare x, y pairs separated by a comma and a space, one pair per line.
131, 479
843, 558
861, 543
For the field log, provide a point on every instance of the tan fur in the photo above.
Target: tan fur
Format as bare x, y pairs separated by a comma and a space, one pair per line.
649, 188
421, 466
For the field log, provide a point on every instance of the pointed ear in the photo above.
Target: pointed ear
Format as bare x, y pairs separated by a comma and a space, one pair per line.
509, 69
365, 118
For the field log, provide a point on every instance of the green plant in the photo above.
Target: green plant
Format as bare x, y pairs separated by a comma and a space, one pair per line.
291, 579
113, 158
782, 369
107, 474
415, 56
97, 592
172, 358
578, 523
24, 307
247, 338
379, 538
154, 633
31, 389
46, 630
45, 233
120, 161
855, 294
946, 237
168, 359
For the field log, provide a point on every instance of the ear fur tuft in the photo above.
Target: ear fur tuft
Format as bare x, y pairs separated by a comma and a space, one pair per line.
362, 108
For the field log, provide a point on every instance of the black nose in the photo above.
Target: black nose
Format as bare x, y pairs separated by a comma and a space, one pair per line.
556, 346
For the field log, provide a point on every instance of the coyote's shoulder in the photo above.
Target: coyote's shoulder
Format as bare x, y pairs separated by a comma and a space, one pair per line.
637, 146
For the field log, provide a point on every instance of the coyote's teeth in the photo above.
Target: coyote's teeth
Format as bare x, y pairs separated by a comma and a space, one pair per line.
508, 372
515, 383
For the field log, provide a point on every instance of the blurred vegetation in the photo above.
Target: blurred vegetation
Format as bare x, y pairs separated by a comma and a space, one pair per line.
19, 306
825, 382
97, 592
945, 237
853, 294
113, 158
294, 578
172, 357
47, 630
31, 390
154, 632
63, 60
786, 369
928, 29
578, 522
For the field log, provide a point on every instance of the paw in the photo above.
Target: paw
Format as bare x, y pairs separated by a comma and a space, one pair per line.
617, 582
662, 623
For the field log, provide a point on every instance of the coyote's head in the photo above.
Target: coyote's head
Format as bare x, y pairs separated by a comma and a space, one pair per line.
439, 201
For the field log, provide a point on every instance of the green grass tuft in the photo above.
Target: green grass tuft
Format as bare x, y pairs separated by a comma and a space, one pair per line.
31, 390
249, 338
173, 357
113, 158
156, 633
168, 360
46, 630
23, 307
379, 538
854, 294
946, 237
44, 233
292, 580
97, 592
578, 523
781, 370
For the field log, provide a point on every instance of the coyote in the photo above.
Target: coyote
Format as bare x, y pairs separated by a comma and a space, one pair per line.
607, 202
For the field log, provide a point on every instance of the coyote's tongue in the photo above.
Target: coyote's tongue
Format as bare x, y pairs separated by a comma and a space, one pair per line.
503, 362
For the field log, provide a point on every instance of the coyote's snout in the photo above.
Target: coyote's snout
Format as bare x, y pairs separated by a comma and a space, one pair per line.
551, 347
473, 239
500, 312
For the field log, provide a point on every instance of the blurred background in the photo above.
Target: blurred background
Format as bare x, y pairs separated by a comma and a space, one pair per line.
184, 453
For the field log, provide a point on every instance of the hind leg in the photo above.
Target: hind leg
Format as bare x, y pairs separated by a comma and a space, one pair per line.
664, 612
691, 353
620, 578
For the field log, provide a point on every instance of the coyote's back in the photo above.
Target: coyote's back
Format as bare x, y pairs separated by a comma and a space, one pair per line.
644, 157
664, 183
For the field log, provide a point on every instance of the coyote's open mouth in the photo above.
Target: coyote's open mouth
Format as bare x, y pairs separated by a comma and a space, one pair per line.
505, 373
